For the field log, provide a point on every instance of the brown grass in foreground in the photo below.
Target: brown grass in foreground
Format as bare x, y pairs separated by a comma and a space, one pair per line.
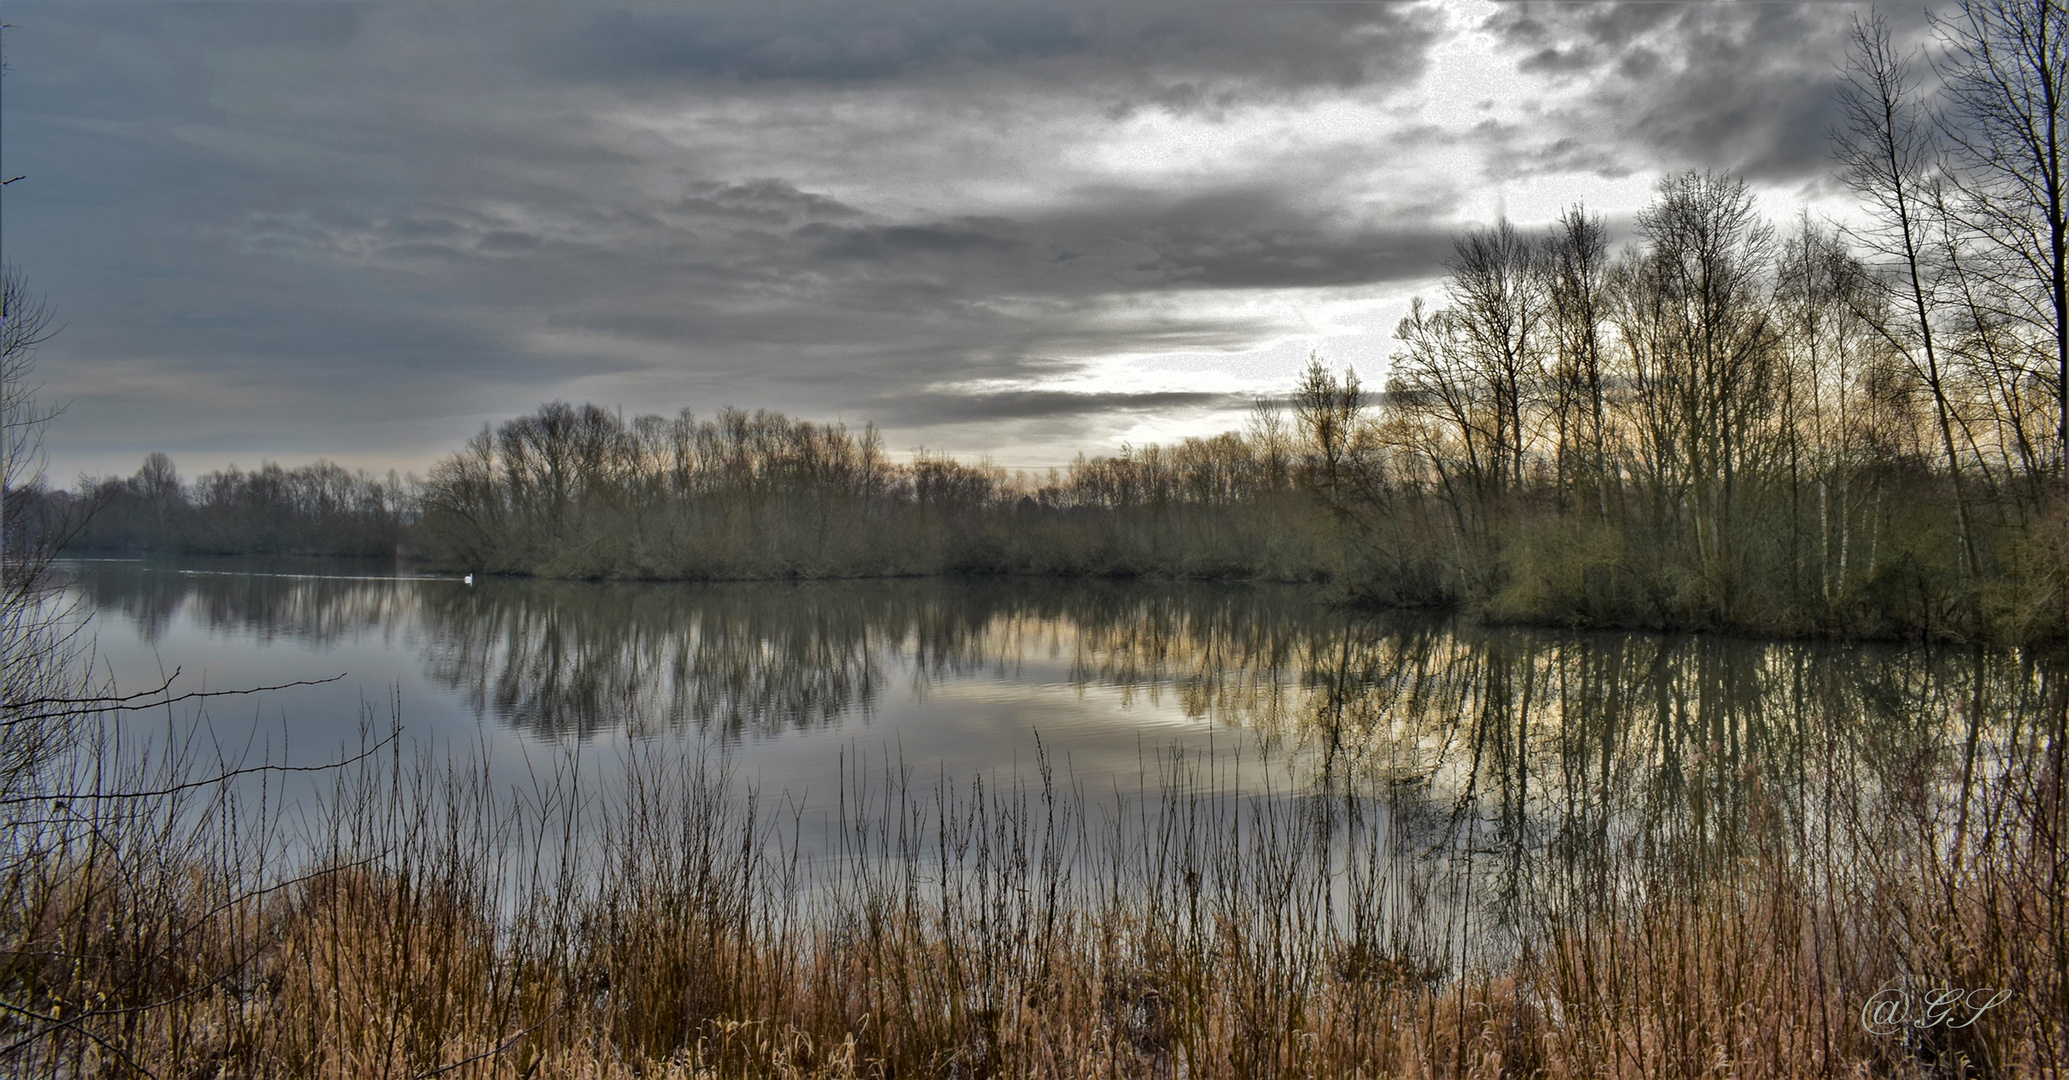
1002, 931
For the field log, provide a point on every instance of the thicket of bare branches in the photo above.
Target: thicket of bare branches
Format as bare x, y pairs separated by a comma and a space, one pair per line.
36, 644
1815, 430
580, 491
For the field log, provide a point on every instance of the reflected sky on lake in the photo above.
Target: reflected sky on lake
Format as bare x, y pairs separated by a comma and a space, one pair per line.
1526, 738
1495, 768
955, 678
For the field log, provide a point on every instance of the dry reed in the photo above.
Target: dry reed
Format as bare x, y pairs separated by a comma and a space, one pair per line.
431, 926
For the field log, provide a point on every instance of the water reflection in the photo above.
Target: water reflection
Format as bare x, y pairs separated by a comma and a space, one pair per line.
1524, 740
314, 603
560, 659
756, 659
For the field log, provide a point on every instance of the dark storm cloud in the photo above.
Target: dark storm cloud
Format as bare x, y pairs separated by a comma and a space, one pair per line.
1742, 87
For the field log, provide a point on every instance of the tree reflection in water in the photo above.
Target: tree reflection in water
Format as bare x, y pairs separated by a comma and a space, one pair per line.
1525, 739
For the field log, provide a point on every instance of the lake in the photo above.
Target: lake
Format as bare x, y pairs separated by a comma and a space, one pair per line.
951, 678
1490, 753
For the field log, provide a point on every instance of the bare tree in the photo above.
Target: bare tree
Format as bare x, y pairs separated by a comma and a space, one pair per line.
1891, 155
1834, 354
1328, 412
1576, 265
2004, 68
1497, 311
35, 651
1270, 444
1443, 416
24, 324
1694, 317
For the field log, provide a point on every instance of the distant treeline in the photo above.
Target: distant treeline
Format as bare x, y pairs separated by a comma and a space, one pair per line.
318, 509
580, 492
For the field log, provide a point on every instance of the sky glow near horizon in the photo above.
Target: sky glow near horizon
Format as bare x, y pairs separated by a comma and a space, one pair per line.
282, 230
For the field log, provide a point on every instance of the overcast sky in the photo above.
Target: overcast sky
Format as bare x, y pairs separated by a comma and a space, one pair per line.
286, 230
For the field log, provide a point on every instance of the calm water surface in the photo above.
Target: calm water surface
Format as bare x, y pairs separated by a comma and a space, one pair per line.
946, 678
1500, 742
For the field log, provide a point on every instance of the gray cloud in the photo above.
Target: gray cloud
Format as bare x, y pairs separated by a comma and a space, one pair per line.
840, 43
1741, 87
941, 408
1170, 55
361, 230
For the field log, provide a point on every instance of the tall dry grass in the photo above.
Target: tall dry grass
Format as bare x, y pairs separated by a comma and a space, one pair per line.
417, 921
